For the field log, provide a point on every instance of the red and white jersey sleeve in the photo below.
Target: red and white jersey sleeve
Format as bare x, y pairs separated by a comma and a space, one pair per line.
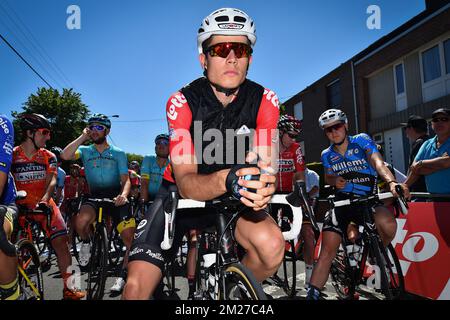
179, 119
267, 120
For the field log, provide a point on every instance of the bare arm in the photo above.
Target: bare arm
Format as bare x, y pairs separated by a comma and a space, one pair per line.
50, 189
200, 187
58, 194
69, 151
378, 163
336, 181
299, 175
313, 191
121, 199
3, 181
144, 189
429, 166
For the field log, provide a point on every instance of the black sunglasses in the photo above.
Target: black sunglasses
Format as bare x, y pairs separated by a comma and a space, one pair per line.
163, 142
334, 127
439, 119
223, 49
292, 135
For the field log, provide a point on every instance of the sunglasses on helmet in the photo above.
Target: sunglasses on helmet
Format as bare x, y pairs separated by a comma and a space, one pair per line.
223, 49
97, 127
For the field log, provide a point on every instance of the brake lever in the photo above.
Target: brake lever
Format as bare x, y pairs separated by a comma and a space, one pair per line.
401, 199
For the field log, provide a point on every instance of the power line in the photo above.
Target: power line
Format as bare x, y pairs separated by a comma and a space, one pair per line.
53, 64
23, 59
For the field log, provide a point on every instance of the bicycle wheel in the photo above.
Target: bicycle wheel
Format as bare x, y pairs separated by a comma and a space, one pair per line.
394, 272
116, 249
383, 272
340, 278
30, 273
240, 284
290, 270
98, 265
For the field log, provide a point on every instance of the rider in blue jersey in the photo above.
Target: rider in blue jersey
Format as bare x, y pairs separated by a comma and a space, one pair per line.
9, 288
107, 176
352, 164
153, 168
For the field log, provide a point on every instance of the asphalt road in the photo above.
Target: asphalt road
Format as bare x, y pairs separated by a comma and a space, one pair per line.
53, 285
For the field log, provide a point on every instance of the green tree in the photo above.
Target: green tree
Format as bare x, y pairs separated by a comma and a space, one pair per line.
282, 108
135, 157
66, 112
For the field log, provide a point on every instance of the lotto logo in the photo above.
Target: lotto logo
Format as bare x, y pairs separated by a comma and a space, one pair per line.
272, 97
176, 101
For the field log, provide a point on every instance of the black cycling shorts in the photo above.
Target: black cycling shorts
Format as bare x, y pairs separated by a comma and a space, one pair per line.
338, 219
120, 215
149, 233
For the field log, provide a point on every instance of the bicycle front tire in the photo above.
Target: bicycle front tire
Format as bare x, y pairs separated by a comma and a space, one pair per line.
240, 284
98, 265
30, 273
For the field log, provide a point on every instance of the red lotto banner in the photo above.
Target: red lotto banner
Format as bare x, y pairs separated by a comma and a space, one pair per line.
422, 244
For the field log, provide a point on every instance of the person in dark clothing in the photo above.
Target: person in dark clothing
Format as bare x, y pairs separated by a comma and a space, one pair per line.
416, 130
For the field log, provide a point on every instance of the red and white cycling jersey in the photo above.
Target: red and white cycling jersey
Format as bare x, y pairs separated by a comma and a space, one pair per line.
179, 116
290, 161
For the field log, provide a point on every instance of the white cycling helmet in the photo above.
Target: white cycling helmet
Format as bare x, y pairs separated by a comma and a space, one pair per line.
228, 22
330, 116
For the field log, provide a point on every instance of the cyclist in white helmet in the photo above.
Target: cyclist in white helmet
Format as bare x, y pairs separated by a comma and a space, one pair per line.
351, 164
223, 100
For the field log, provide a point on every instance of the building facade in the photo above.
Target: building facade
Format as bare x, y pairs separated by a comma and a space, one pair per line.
406, 72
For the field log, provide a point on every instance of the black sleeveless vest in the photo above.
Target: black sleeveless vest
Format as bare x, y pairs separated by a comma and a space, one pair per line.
216, 151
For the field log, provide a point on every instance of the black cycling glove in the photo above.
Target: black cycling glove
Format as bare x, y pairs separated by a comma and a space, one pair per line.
231, 182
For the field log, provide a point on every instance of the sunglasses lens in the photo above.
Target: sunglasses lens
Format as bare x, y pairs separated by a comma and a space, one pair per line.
223, 49
163, 142
335, 127
97, 127
443, 119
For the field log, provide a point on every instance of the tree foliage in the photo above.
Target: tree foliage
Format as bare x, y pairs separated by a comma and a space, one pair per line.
135, 157
66, 112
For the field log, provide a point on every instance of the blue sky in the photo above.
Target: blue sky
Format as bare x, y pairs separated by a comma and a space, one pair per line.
130, 56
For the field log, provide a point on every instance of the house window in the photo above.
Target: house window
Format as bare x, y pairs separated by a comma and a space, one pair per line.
298, 110
447, 55
400, 80
334, 94
431, 64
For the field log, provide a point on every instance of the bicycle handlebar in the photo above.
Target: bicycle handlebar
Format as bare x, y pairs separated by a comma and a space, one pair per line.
6, 246
379, 196
169, 228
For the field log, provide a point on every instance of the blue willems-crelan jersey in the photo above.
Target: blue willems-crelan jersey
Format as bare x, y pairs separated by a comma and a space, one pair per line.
354, 166
103, 170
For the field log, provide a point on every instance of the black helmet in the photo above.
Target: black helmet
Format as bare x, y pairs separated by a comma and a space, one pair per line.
134, 165
288, 123
100, 118
32, 121
57, 151
162, 136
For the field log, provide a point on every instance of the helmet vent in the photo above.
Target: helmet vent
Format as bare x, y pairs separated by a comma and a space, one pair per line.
239, 19
222, 18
